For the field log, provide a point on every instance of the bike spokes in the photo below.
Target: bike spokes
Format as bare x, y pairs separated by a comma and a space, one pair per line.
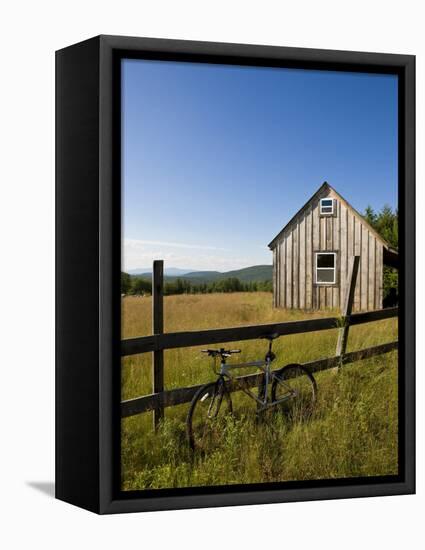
208, 417
294, 391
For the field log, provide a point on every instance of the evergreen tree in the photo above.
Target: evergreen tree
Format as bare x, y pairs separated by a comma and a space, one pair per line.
125, 283
385, 223
139, 285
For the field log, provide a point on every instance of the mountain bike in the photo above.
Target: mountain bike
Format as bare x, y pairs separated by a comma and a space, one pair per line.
293, 390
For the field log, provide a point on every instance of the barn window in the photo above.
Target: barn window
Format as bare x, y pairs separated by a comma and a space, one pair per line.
325, 268
326, 207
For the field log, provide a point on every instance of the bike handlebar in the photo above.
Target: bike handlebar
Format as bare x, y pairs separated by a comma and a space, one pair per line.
222, 351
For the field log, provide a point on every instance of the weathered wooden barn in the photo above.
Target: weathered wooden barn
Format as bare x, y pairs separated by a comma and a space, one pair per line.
311, 253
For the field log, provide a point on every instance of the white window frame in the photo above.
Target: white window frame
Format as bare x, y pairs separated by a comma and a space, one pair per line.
332, 206
320, 268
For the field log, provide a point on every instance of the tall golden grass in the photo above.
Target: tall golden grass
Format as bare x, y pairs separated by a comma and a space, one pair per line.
353, 431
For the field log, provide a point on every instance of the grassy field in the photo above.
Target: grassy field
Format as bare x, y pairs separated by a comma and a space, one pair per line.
353, 431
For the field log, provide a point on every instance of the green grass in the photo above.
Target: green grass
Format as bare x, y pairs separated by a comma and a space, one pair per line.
353, 431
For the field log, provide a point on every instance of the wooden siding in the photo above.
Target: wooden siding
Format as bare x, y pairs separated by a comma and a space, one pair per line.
344, 233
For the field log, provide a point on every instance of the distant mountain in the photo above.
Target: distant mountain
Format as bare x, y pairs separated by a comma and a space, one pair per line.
171, 271
258, 273
212, 275
253, 273
247, 274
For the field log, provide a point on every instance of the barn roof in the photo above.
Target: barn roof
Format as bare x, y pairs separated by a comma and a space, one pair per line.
390, 254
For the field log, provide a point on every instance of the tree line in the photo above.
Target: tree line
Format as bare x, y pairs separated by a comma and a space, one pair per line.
134, 285
385, 222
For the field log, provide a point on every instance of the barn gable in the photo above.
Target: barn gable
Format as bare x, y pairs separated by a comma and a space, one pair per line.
311, 253
325, 190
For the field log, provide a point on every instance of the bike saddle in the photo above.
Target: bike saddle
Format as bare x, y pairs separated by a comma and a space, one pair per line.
271, 336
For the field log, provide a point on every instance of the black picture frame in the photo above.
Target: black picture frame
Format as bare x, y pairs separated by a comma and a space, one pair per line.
88, 248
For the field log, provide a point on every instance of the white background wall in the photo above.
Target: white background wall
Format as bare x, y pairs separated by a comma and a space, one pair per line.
30, 32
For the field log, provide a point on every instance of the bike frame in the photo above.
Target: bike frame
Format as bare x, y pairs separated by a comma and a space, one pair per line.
265, 366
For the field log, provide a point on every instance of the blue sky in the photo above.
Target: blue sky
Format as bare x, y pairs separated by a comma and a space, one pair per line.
216, 159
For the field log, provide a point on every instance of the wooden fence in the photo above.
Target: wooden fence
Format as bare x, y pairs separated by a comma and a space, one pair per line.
160, 341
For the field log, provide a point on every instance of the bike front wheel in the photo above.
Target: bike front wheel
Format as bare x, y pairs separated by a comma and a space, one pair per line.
294, 390
207, 417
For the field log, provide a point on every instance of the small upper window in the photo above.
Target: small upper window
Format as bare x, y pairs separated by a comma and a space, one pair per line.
326, 207
325, 268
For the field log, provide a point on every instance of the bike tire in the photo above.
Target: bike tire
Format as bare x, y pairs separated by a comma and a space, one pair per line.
199, 406
295, 377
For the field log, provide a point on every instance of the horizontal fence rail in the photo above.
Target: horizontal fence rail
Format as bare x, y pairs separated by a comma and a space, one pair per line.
370, 316
157, 342
180, 396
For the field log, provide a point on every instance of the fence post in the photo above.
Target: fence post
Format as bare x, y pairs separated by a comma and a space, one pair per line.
158, 328
347, 306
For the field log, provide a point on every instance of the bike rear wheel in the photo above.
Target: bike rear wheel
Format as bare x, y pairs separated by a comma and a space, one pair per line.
295, 391
207, 416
